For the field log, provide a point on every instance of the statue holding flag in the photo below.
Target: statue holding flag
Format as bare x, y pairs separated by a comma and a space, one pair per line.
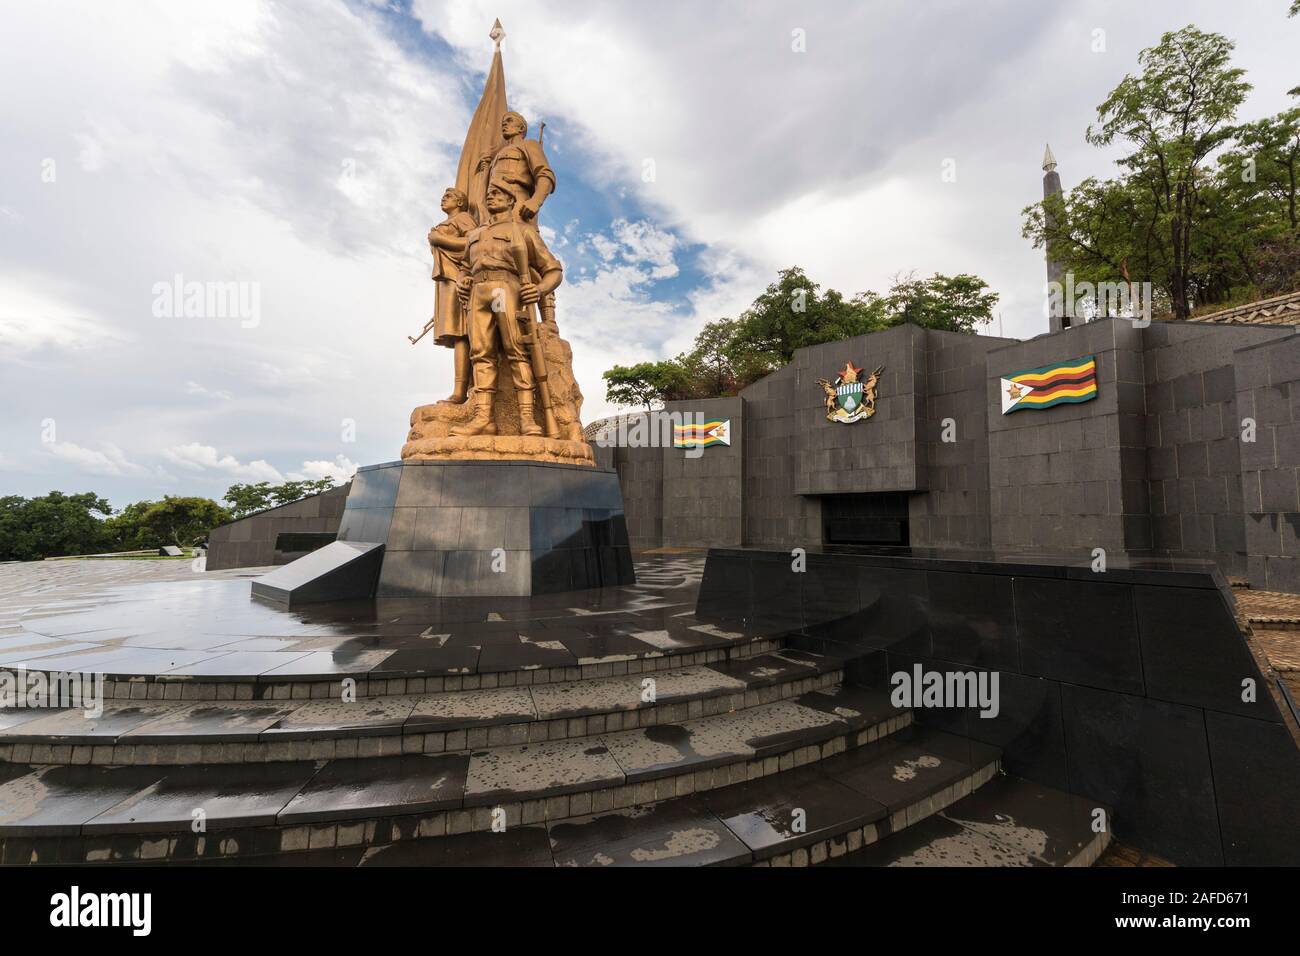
496, 243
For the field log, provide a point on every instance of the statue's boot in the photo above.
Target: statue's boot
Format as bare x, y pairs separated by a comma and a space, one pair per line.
527, 422
462, 366
481, 423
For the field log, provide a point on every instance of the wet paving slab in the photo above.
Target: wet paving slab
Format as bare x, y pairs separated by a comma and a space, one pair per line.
1047, 826
603, 695
518, 846
234, 722
88, 616
12, 718
793, 809
547, 769
664, 750
76, 726
129, 661
679, 833
934, 841
366, 716
497, 658
858, 706
442, 712
58, 801
765, 669
378, 786
896, 772
228, 796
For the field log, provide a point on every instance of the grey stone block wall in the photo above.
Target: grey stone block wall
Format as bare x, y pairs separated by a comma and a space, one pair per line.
1153, 465
877, 454
1268, 391
1194, 452
955, 511
250, 541
1072, 477
774, 512
641, 477
703, 497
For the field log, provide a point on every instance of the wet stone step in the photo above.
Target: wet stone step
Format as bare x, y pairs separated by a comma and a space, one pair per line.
751, 822
319, 674
306, 805
147, 732
1009, 822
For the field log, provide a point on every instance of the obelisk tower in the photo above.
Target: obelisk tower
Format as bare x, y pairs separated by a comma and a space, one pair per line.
1052, 187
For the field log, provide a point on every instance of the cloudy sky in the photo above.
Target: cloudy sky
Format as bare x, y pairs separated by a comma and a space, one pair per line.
298, 151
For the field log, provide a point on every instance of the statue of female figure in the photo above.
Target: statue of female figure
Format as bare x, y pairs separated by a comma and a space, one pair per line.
448, 266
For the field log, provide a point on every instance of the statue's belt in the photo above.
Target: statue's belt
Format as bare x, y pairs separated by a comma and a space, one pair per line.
495, 275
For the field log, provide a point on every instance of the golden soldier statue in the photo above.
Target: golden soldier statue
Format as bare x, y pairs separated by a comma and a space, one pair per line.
509, 271
520, 166
491, 249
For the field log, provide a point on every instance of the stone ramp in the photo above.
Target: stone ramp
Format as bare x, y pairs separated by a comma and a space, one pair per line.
340, 571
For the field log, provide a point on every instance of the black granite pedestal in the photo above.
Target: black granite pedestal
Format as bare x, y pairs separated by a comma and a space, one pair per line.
470, 529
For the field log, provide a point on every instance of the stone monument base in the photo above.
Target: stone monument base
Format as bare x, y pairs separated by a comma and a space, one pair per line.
496, 448
477, 529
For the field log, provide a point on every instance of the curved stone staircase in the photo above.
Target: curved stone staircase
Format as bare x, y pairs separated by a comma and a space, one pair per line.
756, 758
720, 748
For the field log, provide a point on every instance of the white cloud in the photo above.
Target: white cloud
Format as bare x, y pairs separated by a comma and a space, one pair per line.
340, 469
107, 459
197, 457
31, 319
195, 388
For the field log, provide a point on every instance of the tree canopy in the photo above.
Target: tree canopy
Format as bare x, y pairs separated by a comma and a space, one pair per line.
55, 524
1203, 208
792, 313
248, 498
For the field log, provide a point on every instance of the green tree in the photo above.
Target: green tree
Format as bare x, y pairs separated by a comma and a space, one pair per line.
1149, 222
645, 383
793, 313
183, 521
957, 303
292, 491
245, 499
179, 521
51, 526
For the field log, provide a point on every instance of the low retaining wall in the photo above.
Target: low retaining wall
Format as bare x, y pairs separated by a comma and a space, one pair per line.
1125, 687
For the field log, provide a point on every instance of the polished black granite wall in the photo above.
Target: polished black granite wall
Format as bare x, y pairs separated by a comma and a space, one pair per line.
1124, 687
466, 528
